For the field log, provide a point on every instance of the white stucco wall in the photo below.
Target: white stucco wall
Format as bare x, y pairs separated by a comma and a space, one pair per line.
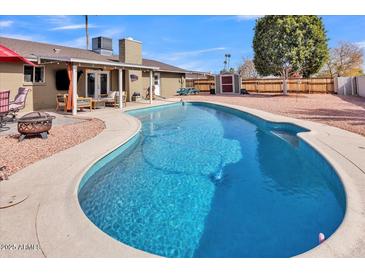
345, 85
361, 86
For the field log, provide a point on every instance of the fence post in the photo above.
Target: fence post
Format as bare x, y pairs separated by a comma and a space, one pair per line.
310, 86
335, 84
344, 89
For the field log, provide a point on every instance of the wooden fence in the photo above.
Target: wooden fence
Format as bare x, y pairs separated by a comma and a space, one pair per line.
310, 85
202, 85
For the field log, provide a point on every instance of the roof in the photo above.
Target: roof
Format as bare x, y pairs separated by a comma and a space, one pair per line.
198, 75
162, 66
33, 50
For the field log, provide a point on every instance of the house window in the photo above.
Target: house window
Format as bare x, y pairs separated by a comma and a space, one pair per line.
34, 74
28, 74
39, 74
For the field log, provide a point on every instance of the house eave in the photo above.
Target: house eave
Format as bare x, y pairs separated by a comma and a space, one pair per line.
172, 71
93, 62
115, 64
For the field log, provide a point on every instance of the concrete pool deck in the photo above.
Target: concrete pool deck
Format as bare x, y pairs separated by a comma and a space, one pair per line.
50, 217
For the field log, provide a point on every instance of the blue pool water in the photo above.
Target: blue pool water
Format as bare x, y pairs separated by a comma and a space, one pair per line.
208, 181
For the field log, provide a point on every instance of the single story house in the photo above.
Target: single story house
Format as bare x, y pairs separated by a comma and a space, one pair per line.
98, 71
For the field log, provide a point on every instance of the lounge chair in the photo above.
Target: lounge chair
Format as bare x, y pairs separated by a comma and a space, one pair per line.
4, 106
19, 101
182, 91
187, 91
191, 91
194, 91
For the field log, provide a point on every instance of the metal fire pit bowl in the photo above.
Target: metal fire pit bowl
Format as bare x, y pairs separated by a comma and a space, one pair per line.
35, 123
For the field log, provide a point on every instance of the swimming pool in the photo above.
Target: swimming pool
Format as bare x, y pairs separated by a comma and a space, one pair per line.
202, 180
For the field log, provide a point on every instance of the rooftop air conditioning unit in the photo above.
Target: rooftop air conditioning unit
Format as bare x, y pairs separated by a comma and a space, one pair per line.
102, 45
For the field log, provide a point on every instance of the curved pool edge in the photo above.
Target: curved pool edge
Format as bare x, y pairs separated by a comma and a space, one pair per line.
115, 247
78, 186
313, 138
53, 217
349, 238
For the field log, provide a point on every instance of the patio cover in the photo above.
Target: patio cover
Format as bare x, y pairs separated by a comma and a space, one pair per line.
9, 56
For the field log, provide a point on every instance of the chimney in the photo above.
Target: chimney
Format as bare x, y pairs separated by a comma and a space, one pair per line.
102, 45
130, 51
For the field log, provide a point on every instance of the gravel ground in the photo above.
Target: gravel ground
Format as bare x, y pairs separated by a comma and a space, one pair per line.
17, 155
346, 112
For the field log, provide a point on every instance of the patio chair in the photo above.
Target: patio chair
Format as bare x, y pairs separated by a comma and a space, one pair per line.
124, 99
4, 106
61, 102
19, 101
112, 99
82, 102
148, 93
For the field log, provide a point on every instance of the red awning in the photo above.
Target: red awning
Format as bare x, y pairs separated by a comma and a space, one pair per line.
9, 56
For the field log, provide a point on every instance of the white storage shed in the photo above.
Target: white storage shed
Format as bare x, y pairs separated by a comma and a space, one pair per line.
227, 83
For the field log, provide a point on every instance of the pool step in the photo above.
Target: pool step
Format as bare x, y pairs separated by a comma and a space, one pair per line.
287, 137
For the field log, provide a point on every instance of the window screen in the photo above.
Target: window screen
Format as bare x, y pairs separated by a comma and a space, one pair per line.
39, 74
28, 73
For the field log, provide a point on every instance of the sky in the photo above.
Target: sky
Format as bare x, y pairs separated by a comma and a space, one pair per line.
196, 43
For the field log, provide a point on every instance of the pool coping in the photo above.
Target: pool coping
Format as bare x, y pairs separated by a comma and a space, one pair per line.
52, 218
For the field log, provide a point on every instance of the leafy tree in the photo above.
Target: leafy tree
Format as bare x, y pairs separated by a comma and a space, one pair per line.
345, 60
247, 69
289, 44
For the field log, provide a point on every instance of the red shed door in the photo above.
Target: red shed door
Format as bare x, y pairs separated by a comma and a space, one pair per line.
227, 83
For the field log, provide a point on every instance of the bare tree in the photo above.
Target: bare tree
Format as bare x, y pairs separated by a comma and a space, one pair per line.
345, 60
247, 69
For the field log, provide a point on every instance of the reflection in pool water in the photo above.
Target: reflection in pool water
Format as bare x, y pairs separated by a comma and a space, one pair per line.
208, 181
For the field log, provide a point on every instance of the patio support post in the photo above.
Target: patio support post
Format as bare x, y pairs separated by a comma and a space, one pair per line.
151, 87
74, 89
120, 89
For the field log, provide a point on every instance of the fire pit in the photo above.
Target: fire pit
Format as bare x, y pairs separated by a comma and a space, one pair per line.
35, 123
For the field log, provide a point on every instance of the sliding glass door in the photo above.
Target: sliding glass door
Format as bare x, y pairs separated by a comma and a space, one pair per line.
91, 85
104, 80
97, 84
